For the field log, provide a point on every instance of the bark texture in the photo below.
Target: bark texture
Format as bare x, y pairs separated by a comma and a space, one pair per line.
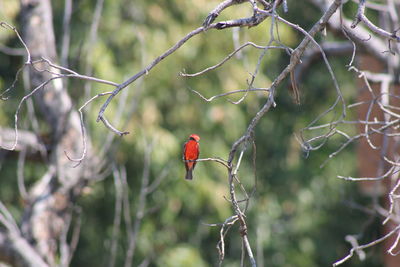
35, 242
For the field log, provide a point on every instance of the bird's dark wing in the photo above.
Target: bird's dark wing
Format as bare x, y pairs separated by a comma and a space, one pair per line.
184, 150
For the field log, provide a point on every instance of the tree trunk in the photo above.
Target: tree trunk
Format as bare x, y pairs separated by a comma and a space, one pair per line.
51, 199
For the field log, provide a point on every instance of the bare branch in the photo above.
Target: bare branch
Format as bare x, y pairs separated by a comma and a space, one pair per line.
16, 250
83, 131
229, 57
142, 201
145, 71
215, 13
230, 93
12, 51
377, 241
361, 17
253, 21
66, 32
8, 26
385, 175
27, 140
20, 175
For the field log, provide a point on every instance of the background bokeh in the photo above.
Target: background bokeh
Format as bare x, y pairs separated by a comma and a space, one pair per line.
299, 214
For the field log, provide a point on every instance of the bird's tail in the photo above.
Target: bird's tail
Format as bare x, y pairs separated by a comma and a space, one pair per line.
189, 174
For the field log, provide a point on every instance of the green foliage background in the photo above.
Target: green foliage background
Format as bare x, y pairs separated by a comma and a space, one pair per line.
299, 214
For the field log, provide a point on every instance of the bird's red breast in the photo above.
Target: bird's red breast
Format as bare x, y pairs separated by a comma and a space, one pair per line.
191, 151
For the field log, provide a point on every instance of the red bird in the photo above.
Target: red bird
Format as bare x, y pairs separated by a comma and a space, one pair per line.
191, 153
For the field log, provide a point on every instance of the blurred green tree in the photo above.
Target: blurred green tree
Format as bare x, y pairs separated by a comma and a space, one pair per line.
130, 204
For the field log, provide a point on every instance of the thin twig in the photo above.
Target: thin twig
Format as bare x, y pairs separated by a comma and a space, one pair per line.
183, 74
377, 241
230, 93
361, 17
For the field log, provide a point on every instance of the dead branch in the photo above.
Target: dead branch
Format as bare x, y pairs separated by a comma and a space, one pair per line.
379, 31
373, 243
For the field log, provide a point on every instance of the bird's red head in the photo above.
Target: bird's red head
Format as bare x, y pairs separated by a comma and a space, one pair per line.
194, 137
